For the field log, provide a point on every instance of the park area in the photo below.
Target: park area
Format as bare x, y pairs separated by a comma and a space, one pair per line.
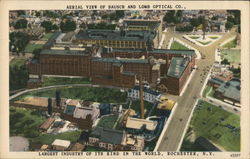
216, 125
50, 81
26, 122
31, 47
178, 46
46, 36
199, 40
108, 121
230, 44
18, 73
95, 94
232, 55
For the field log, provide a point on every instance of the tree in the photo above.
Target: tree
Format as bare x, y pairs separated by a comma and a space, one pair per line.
21, 24
18, 41
18, 77
229, 25
194, 22
47, 25
67, 25
55, 27
49, 106
36, 54
225, 62
20, 12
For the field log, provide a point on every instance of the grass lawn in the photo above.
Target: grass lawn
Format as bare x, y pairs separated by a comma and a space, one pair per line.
136, 106
108, 121
102, 95
213, 37
204, 43
230, 44
49, 81
206, 90
213, 123
47, 36
177, 46
18, 74
17, 62
194, 37
72, 136
25, 122
231, 55
31, 47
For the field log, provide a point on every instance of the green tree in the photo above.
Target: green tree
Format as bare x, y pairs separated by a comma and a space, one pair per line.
47, 25
18, 41
21, 24
225, 62
36, 54
229, 25
67, 25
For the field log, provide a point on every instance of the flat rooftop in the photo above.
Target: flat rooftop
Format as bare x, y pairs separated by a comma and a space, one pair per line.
65, 52
95, 34
154, 51
231, 89
114, 60
177, 66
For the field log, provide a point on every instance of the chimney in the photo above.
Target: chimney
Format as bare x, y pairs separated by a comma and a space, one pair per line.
141, 98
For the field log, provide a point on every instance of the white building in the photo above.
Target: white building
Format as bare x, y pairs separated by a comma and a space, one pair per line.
149, 95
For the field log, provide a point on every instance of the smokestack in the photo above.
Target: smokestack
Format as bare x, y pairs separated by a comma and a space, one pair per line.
141, 98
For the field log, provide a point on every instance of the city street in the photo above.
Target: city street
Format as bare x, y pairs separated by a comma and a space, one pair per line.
175, 130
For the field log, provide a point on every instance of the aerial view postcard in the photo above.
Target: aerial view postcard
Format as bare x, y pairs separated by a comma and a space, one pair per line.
122, 80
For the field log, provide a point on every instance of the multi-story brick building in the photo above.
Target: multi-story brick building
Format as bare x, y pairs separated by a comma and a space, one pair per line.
118, 67
117, 39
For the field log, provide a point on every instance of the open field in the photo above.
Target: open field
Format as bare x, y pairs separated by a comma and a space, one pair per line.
102, 95
232, 55
47, 36
49, 81
25, 122
31, 47
108, 121
214, 124
177, 46
17, 62
72, 136
230, 44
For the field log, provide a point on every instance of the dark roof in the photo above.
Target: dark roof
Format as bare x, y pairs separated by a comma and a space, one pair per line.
65, 52
206, 144
154, 51
177, 66
47, 123
152, 24
108, 135
115, 35
69, 110
114, 60
216, 81
230, 89
148, 90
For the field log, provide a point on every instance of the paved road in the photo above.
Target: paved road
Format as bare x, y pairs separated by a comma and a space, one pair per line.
175, 130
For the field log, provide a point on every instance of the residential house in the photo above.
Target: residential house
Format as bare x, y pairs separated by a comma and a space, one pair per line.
148, 94
60, 145
115, 140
